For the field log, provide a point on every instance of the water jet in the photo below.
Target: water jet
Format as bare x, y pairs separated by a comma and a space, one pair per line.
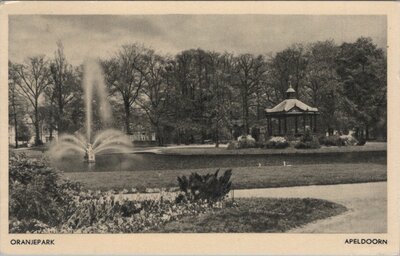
95, 142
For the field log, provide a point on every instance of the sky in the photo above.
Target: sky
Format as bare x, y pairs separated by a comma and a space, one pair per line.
92, 36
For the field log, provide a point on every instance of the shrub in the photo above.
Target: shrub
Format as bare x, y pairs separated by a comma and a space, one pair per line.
334, 140
308, 141
349, 140
42, 202
206, 187
361, 141
277, 142
246, 141
233, 145
38, 196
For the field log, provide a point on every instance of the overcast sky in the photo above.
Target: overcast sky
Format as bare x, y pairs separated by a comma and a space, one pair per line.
86, 36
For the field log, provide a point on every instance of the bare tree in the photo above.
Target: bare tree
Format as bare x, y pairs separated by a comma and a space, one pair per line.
33, 79
219, 94
249, 72
125, 76
155, 93
13, 100
61, 91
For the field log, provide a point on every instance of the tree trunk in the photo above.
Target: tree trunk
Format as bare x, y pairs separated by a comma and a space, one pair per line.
217, 136
16, 130
127, 117
15, 123
244, 131
158, 136
60, 123
245, 116
51, 133
179, 137
36, 123
366, 132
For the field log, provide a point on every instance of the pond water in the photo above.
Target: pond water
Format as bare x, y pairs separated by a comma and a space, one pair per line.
150, 161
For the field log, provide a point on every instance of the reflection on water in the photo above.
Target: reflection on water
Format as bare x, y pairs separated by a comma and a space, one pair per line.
91, 166
148, 161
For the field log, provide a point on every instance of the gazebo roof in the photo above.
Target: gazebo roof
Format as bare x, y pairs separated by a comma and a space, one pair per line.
290, 104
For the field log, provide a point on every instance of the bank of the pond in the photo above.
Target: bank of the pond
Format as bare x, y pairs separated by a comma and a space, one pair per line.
222, 150
243, 177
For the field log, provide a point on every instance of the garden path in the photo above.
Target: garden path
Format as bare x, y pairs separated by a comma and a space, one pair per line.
366, 204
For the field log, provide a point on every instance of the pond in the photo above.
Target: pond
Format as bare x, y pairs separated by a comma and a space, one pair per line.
150, 161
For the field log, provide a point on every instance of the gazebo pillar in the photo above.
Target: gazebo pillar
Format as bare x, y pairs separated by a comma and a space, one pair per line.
269, 126
304, 123
279, 126
295, 125
285, 125
315, 122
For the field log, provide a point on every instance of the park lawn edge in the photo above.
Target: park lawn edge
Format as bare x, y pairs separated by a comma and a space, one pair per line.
187, 151
256, 215
242, 177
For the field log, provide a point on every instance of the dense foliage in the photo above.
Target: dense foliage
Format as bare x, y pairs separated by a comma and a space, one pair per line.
199, 95
246, 141
38, 196
334, 140
308, 141
42, 202
205, 187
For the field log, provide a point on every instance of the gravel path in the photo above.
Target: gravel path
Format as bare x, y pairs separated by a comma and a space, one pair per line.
366, 204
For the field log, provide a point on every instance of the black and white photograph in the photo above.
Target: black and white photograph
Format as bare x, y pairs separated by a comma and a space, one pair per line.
198, 124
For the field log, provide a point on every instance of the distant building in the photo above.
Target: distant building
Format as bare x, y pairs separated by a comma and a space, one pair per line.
291, 116
44, 136
145, 136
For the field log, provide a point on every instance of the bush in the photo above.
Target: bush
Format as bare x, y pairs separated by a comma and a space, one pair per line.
361, 142
334, 140
349, 140
38, 196
42, 202
233, 145
246, 142
260, 144
206, 187
308, 141
277, 142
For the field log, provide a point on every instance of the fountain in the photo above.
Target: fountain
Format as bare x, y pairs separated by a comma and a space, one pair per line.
103, 141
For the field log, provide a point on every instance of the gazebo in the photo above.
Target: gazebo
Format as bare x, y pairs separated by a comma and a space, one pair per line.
291, 117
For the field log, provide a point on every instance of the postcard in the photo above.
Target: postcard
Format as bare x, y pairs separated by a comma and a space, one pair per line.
200, 128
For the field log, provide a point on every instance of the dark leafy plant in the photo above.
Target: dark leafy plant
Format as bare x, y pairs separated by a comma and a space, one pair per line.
233, 145
246, 142
42, 202
37, 193
206, 187
333, 140
361, 142
308, 141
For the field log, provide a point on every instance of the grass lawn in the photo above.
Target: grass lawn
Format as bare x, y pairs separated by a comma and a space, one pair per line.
242, 177
256, 215
189, 150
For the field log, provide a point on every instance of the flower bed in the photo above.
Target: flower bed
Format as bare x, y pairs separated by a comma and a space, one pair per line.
42, 202
277, 142
103, 213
